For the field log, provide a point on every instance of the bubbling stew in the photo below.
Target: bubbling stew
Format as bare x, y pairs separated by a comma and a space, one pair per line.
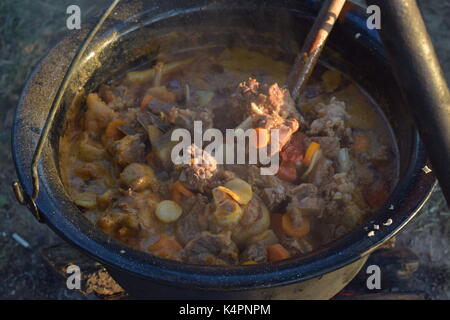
338, 159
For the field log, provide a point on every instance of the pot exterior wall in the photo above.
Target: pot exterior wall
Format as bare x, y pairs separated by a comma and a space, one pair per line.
320, 288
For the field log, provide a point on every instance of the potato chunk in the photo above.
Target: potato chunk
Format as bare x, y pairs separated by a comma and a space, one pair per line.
139, 177
98, 114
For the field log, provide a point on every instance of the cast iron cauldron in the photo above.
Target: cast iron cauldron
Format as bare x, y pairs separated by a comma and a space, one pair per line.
139, 29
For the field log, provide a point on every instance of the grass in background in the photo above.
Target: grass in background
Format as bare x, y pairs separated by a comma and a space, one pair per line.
27, 29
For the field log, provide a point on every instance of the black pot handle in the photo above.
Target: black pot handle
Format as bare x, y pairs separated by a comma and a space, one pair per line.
421, 79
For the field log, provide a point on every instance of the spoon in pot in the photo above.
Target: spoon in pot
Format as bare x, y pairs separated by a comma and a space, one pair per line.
307, 59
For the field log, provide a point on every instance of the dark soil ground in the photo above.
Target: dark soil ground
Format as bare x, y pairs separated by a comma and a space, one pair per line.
27, 29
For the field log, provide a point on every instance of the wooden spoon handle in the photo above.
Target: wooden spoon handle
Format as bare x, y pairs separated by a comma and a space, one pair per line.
312, 48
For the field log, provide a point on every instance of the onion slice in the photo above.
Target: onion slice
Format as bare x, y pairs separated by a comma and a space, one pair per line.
344, 160
318, 156
168, 211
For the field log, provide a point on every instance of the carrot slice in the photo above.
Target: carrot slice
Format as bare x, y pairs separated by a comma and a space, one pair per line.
145, 101
165, 247
291, 230
177, 189
182, 189
312, 149
277, 252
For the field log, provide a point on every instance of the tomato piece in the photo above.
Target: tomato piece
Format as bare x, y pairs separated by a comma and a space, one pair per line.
294, 150
287, 171
292, 154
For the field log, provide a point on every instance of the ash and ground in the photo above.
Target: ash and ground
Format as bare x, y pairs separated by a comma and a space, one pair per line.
28, 28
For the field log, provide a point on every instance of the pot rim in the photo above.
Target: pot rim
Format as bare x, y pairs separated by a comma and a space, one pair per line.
417, 186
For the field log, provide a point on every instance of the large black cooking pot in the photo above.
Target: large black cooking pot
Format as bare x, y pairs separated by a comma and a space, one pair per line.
139, 29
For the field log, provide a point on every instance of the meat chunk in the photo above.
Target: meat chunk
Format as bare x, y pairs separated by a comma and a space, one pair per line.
138, 177
246, 93
321, 174
203, 173
304, 190
281, 100
340, 187
211, 249
145, 118
255, 253
296, 246
331, 120
240, 171
118, 97
341, 206
157, 106
271, 98
305, 200
274, 196
199, 173
183, 118
252, 212
267, 105
271, 189
255, 220
220, 177
330, 146
98, 114
194, 219
258, 105
312, 205
128, 150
